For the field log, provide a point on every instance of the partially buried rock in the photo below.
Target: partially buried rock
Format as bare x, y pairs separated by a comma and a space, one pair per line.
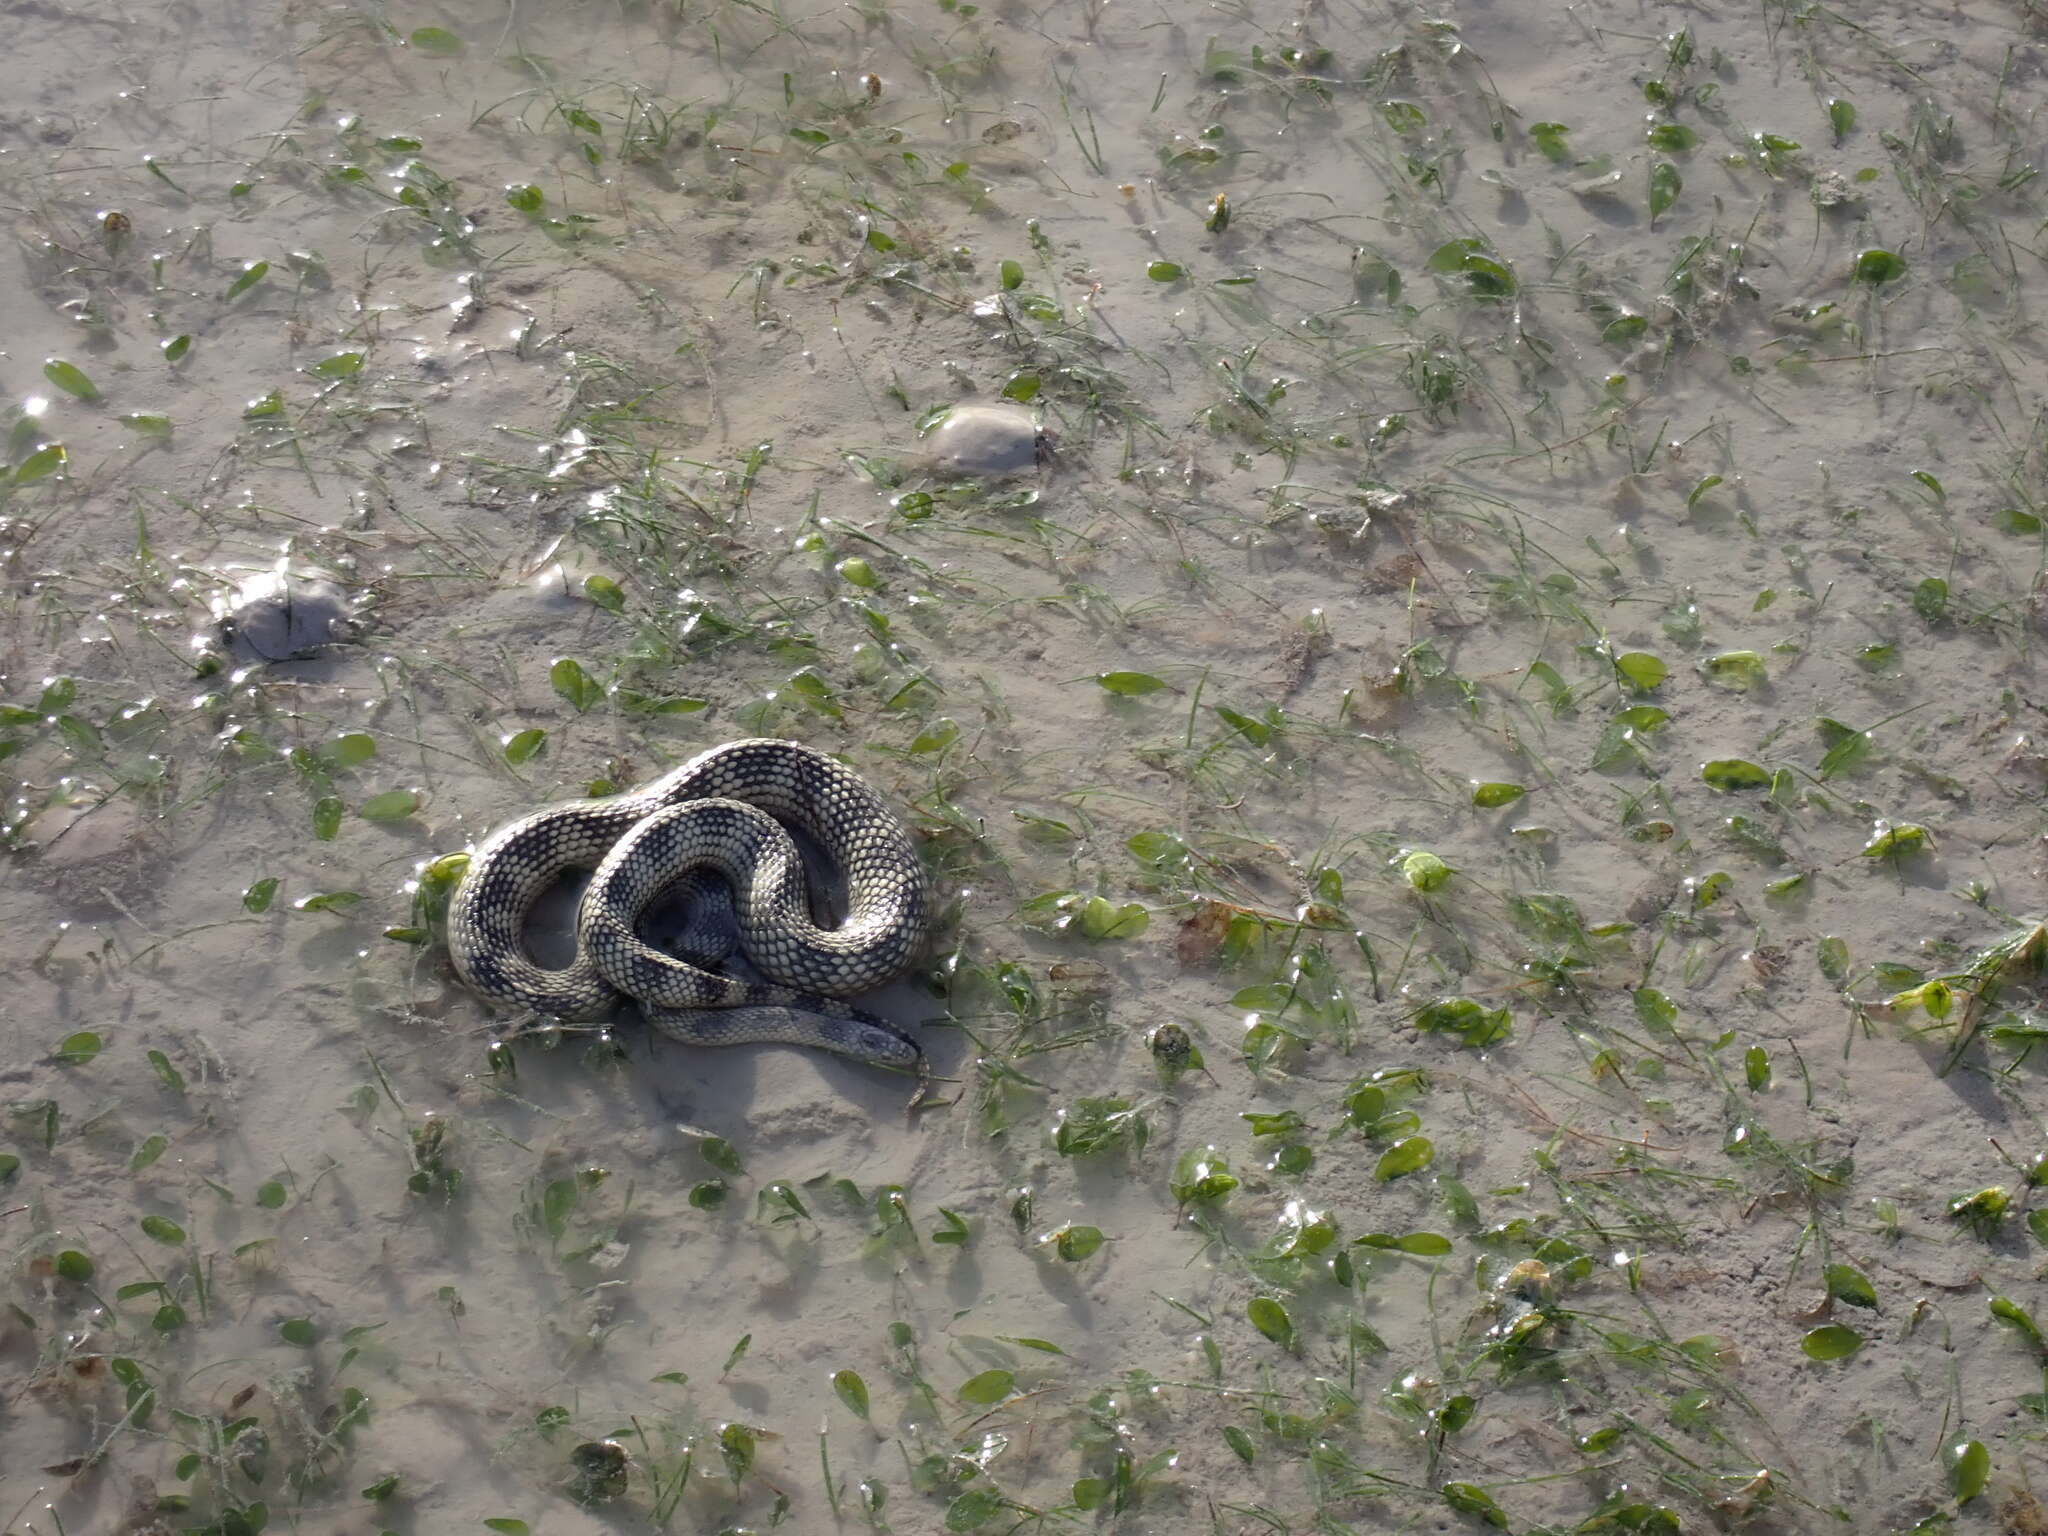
600, 1467
283, 615
986, 440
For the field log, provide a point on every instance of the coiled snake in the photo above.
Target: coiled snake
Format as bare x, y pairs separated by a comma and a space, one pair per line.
716, 815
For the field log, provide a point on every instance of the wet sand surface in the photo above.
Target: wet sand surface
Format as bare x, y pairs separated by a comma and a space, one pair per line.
1475, 726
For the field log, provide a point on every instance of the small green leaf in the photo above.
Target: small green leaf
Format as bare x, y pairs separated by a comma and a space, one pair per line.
1270, 1318
175, 348
1425, 871
1731, 773
1877, 265
1756, 1068
973, 1509
521, 745
857, 572
1492, 796
1475, 1025
936, 736
988, 1388
852, 1391
299, 1331
1740, 669
2010, 1312
271, 1195
148, 424
1129, 684
258, 897
1410, 1154
342, 365
1665, 185
328, 901
1201, 1174
1625, 329
327, 817
1074, 1244
1101, 919
557, 1200
722, 1155
349, 750
525, 197
167, 1074
574, 684
1930, 599
74, 1266
1891, 840
77, 1049
1471, 1499
1643, 670
673, 704
147, 1151
392, 805
1166, 271
1969, 1468
1841, 117
1831, 1341
1846, 1283
264, 406
438, 41
604, 592
1656, 1010
1012, 273
164, 1230
252, 273
1428, 1245
41, 464
70, 378
1672, 138
1832, 955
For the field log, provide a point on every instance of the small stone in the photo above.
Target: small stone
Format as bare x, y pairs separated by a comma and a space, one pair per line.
1830, 189
1171, 1047
986, 440
600, 1467
283, 615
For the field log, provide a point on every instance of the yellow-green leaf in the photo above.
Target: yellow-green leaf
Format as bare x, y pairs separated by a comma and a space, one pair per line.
70, 378
45, 461
1129, 684
1831, 1341
1271, 1319
252, 273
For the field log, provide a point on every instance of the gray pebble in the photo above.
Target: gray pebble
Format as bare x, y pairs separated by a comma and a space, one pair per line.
985, 440
285, 615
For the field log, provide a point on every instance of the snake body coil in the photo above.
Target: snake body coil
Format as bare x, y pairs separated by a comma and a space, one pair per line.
720, 814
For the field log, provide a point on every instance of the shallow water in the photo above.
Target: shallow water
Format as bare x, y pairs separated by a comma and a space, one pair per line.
1520, 641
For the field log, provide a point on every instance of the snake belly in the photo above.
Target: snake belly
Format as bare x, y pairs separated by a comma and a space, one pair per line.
721, 813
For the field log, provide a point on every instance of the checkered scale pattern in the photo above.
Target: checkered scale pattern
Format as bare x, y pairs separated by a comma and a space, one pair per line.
719, 815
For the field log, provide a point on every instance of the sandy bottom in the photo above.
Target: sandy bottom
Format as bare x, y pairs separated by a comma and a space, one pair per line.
1475, 731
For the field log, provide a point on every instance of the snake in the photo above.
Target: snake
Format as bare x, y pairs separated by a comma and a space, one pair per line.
716, 831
